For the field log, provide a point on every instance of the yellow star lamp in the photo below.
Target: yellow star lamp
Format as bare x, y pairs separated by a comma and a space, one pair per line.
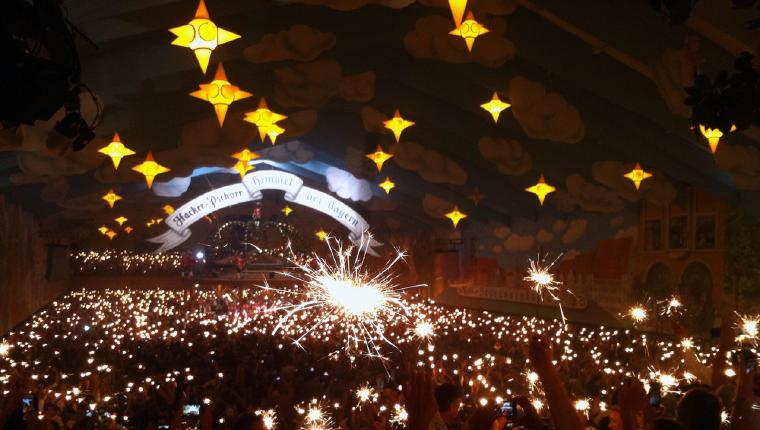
469, 30
116, 150
111, 234
168, 209
713, 136
286, 210
541, 189
387, 185
397, 124
202, 36
321, 234
220, 93
455, 216
457, 10
150, 169
111, 198
128, 229
266, 121
242, 167
103, 229
637, 175
121, 220
379, 157
495, 106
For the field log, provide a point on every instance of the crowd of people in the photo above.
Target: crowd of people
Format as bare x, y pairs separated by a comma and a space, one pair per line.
223, 358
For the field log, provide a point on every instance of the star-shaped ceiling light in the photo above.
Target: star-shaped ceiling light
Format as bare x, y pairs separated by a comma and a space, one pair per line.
457, 10
541, 189
242, 167
150, 169
111, 198
286, 210
455, 216
168, 209
103, 229
266, 121
321, 234
121, 220
397, 124
202, 36
637, 175
495, 106
379, 157
713, 136
116, 150
387, 185
111, 234
128, 229
469, 30
476, 196
245, 155
220, 93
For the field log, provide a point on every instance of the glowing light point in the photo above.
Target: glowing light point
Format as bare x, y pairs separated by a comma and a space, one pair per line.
397, 124
111, 234
202, 36
103, 229
111, 198
121, 220
286, 210
541, 189
220, 93
379, 157
266, 121
322, 235
4, 348
637, 175
128, 229
150, 169
495, 106
168, 209
469, 30
457, 10
713, 136
245, 155
637, 313
455, 216
116, 150
387, 185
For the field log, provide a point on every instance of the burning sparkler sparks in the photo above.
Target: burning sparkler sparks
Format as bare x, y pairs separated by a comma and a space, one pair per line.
672, 306
344, 294
424, 330
637, 313
748, 329
542, 281
366, 394
268, 417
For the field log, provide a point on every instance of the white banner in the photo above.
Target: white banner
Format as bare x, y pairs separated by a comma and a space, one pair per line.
517, 295
250, 189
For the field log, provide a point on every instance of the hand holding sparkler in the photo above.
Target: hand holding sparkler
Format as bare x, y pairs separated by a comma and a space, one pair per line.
420, 402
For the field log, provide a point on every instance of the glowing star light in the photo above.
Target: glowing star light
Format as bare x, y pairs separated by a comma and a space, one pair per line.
457, 10
322, 235
541, 189
495, 106
637, 175
111, 198
387, 185
111, 234
379, 157
202, 36
220, 93
121, 220
116, 150
150, 169
242, 168
168, 209
128, 229
266, 121
455, 216
341, 292
103, 229
713, 136
286, 210
469, 30
397, 124
245, 155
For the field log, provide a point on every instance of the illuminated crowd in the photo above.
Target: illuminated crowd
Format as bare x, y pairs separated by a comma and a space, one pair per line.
152, 358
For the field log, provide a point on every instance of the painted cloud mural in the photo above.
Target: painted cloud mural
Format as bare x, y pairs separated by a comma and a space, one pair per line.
544, 114
431, 165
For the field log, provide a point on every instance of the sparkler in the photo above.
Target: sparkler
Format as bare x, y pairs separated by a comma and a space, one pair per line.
672, 306
748, 329
366, 394
316, 419
345, 297
637, 313
542, 281
268, 417
424, 330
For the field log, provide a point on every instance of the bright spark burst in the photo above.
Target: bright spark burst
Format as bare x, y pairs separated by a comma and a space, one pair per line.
637, 313
346, 297
687, 343
268, 417
4, 348
532, 378
542, 281
672, 306
748, 328
582, 405
538, 404
724, 417
316, 419
400, 415
366, 394
424, 329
